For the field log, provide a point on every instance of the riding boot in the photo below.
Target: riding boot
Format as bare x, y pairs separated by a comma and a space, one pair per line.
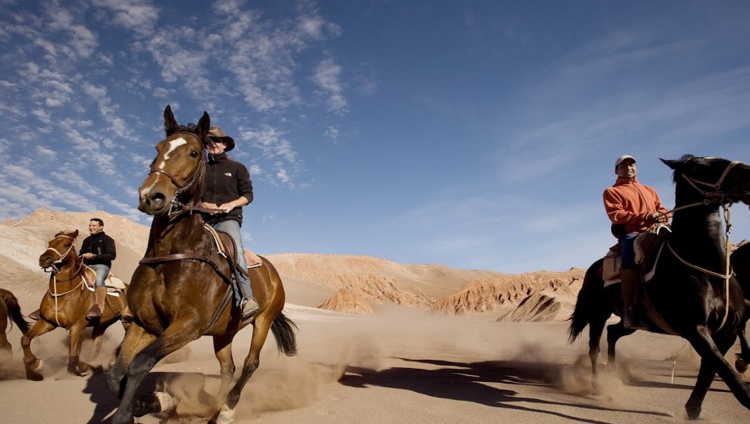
629, 289
248, 303
96, 311
35, 315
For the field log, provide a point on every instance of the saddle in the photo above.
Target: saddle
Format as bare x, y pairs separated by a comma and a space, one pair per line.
114, 285
646, 248
228, 249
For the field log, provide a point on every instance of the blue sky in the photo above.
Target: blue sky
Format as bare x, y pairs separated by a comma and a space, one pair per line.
473, 134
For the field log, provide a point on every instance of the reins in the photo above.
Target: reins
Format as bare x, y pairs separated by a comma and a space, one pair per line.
713, 196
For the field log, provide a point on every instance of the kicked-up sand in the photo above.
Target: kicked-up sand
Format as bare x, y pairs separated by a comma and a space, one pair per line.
400, 365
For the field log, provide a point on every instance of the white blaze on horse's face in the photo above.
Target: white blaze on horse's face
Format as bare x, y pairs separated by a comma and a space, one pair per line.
174, 144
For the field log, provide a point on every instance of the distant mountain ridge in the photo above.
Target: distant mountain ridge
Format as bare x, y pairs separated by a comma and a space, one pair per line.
352, 284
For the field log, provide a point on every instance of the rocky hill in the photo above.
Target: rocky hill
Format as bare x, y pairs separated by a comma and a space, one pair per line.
342, 283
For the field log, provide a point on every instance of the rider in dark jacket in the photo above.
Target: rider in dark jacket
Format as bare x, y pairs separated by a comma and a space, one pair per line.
98, 251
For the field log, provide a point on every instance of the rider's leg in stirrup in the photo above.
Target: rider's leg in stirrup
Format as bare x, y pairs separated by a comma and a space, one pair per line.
244, 296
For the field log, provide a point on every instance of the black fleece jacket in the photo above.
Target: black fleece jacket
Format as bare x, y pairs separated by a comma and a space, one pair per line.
101, 245
226, 180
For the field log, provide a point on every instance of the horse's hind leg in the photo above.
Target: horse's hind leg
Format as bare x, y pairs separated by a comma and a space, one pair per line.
75, 366
260, 333
177, 335
31, 363
223, 350
596, 326
614, 333
712, 362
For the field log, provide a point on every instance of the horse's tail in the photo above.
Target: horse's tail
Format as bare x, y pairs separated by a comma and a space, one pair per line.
589, 299
283, 330
15, 311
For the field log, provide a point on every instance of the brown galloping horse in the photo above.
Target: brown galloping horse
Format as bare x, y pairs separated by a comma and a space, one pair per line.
65, 305
9, 309
181, 291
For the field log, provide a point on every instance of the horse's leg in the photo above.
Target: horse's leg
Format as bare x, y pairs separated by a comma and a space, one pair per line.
75, 366
743, 358
614, 333
31, 363
712, 362
223, 350
96, 339
4, 345
260, 331
178, 334
136, 339
596, 326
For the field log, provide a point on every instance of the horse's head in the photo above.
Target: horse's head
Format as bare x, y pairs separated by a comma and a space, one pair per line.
710, 180
59, 250
175, 181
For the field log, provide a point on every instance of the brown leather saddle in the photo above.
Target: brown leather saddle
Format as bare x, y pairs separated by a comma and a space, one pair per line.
646, 247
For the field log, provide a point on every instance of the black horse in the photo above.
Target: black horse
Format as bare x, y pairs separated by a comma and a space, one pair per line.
740, 261
691, 293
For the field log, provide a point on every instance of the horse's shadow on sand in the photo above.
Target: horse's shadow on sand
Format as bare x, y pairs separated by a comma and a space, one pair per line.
106, 403
468, 382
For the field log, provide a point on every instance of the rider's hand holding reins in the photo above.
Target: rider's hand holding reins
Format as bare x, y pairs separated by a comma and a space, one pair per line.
656, 217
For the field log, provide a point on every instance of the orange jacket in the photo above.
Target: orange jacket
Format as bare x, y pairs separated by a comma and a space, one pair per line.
629, 202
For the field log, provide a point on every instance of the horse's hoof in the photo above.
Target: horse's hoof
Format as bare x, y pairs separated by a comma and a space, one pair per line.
693, 412
740, 365
226, 416
80, 369
165, 401
158, 402
36, 365
83, 370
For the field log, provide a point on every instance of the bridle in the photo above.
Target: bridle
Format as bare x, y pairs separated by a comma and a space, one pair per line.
61, 256
176, 207
714, 194
52, 289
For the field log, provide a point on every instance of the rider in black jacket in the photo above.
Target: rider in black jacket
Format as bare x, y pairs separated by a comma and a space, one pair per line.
227, 187
98, 251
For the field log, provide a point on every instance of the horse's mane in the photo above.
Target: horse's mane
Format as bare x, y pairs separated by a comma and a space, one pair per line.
687, 163
193, 129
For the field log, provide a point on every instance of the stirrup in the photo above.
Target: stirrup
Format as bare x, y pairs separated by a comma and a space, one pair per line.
94, 313
629, 321
249, 308
35, 315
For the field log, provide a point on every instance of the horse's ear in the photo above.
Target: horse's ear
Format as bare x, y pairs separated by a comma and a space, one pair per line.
75, 234
670, 163
170, 124
203, 126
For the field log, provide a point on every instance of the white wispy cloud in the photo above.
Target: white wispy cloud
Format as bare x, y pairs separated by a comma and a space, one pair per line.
327, 76
81, 42
564, 129
139, 16
274, 146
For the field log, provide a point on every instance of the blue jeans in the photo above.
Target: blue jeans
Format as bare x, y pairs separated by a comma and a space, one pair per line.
627, 250
232, 228
102, 271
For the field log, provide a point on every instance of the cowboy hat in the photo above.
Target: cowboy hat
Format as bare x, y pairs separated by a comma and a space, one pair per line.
216, 134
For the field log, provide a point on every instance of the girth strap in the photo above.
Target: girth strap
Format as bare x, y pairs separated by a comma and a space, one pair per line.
184, 256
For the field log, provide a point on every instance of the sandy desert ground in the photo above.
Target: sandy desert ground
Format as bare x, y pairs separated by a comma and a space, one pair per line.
397, 363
